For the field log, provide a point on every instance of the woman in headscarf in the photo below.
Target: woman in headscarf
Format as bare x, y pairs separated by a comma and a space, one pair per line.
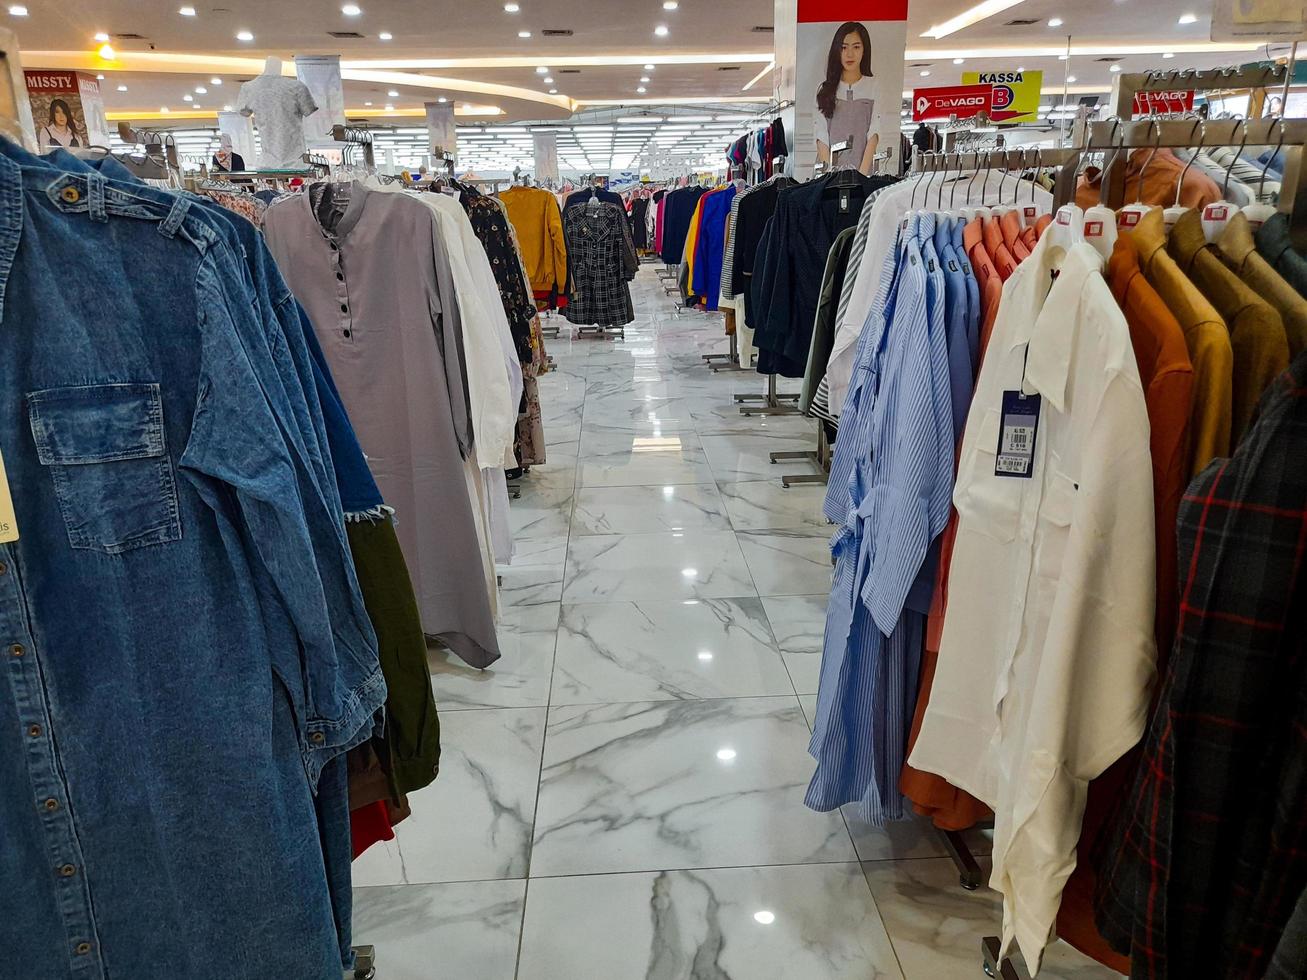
227, 159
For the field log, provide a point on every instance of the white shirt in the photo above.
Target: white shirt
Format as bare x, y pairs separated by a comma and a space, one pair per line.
889, 207
864, 88
279, 105
1047, 654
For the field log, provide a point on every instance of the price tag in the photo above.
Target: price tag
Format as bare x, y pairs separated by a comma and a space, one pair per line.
1016, 435
8, 520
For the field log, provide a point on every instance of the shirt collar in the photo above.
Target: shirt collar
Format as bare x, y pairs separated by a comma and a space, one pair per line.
1273, 238
1149, 235
1048, 290
1187, 239
1236, 241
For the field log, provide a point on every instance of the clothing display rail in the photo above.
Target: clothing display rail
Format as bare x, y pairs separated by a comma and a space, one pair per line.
357, 141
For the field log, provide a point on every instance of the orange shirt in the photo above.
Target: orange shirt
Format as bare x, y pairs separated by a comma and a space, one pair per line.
1010, 227
1160, 179
992, 237
987, 278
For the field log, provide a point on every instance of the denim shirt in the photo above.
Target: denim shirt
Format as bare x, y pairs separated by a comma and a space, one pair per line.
179, 617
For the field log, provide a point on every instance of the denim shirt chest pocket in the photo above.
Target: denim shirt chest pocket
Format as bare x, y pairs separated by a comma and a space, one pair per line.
105, 449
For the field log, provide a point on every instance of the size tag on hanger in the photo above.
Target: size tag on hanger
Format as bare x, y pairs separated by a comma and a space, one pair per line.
1093, 229
8, 520
844, 202
1216, 212
1031, 213
1016, 435
1128, 219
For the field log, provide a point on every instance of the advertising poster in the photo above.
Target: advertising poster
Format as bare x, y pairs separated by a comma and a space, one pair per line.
1259, 20
441, 132
67, 109
321, 76
1013, 95
849, 82
546, 156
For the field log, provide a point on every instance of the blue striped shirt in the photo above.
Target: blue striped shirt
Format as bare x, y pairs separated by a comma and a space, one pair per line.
897, 443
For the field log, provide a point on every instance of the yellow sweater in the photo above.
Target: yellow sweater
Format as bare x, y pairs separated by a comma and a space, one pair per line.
539, 225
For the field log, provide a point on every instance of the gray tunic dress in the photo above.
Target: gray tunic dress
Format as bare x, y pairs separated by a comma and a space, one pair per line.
851, 123
371, 271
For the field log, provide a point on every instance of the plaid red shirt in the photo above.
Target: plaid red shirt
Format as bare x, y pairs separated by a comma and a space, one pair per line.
1202, 869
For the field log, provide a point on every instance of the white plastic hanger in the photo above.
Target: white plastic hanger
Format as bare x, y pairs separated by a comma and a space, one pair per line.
1257, 214
1132, 214
1099, 221
1217, 216
1173, 214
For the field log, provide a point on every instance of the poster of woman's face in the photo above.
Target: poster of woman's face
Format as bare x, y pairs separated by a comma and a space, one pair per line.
59, 122
850, 78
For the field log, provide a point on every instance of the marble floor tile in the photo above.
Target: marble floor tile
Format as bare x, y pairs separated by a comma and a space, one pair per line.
788, 562
765, 504
666, 507
475, 821
530, 585
458, 929
799, 624
808, 702
936, 926
679, 784
541, 511
672, 565
808, 922
639, 460
740, 458
647, 651
518, 679
719, 415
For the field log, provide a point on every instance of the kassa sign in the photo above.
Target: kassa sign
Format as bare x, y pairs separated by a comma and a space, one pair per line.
1014, 95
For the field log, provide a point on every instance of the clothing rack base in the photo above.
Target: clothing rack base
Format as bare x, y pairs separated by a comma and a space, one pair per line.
819, 457
365, 964
994, 966
970, 875
771, 401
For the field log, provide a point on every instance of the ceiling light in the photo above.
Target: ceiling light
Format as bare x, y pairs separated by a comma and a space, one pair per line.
226, 108
441, 99
725, 755
661, 30
650, 67
188, 98
764, 917
1055, 22
670, 4
925, 74
367, 103
244, 36
101, 36
553, 91
390, 108
351, 10
201, 90
393, 94
1071, 78
18, 10
1188, 19
1114, 68
99, 78
164, 108
542, 70
122, 88
186, 11
958, 61
968, 17
511, 8
640, 119
641, 89
106, 52
1021, 68
385, 36
1168, 54
523, 34
1061, 57
215, 81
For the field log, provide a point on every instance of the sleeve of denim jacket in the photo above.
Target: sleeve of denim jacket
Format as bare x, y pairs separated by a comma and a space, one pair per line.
239, 439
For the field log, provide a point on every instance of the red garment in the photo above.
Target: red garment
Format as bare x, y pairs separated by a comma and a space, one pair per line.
368, 825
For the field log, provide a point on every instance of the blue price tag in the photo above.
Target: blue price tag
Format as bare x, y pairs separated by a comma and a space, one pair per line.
1016, 435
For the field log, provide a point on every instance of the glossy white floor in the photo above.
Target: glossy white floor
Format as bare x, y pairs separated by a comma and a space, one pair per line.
621, 795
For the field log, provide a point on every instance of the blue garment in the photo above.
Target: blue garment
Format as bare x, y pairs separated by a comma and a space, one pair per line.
677, 213
710, 249
898, 492
955, 331
973, 304
169, 498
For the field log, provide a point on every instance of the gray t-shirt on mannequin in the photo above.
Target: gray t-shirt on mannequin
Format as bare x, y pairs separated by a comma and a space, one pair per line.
279, 105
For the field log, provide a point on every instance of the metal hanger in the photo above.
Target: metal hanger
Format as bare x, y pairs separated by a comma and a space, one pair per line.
1201, 129
1240, 127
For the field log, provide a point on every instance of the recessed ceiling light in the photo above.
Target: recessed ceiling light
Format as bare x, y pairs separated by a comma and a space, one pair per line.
650, 67
670, 4
393, 94
164, 108
524, 34
99, 78
188, 97
1061, 57
106, 52
661, 30
101, 36
1114, 68
215, 81
441, 99
122, 88
367, 103
1021, 68
764, 917
186, 11
385, 36
244, 36
1055, 22
925, 74
542, 70
642, 90
958, 61
18, 10
553, 91
548, 80
1168, 54
389, 107
226, 108
351, 10
511, 8
1188, 19
1071, 78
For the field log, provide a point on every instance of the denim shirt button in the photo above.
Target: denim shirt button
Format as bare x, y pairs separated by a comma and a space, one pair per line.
3, 568
34, 731
67, 870
70, 194
51, 804
317, 738
17, 650
81, 949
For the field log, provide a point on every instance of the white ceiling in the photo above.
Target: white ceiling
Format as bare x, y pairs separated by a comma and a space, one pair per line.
477, 43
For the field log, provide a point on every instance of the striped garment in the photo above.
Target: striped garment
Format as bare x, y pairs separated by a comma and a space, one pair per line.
897, 460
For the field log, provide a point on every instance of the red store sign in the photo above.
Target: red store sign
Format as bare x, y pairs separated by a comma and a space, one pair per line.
963, 101
1151, 103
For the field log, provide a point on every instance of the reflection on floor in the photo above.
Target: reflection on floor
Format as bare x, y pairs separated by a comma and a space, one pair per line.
621, 795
